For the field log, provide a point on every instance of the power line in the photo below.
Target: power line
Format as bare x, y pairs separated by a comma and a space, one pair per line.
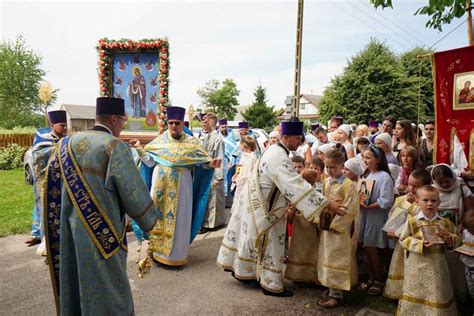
382, 24
449, 33
363, 22
390, 14
396, 24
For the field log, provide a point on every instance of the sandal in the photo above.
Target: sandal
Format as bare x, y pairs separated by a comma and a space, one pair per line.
331, 302
364, 287
376, 289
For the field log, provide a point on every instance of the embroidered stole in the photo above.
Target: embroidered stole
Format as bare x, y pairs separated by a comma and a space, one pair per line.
263, 214
171, 155
63, 167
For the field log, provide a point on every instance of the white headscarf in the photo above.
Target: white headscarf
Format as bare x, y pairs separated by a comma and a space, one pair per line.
346, 128
386, 138
356, 166
450, 198
274, 134
326, 148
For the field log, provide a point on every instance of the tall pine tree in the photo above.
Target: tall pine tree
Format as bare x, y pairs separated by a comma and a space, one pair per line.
259, 114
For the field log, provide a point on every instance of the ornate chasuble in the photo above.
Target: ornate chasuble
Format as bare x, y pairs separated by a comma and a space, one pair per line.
171, 155
92, 183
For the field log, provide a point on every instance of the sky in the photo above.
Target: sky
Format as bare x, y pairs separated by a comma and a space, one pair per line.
251, 42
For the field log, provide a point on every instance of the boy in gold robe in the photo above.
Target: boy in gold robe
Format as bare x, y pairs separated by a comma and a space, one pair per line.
403, 204
337, 264
427, 288
303, 256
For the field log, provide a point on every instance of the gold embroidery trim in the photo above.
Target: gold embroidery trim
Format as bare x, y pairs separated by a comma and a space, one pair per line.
416, 300
99, 207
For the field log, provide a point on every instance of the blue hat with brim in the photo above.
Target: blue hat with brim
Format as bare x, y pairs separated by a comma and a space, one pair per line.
109, 106
58, 116
175, 113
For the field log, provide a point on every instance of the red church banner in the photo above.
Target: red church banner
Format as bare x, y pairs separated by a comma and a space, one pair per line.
453, 75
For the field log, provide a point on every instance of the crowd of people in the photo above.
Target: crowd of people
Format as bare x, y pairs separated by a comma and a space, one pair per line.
381, 226
306, 207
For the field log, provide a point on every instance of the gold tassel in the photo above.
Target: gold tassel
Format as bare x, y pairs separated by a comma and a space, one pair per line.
144, 265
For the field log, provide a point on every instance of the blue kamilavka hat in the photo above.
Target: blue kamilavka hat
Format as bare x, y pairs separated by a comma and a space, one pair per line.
292, 128
58, 116
373, 124
109, 106
243, 125
175, 113
223, 122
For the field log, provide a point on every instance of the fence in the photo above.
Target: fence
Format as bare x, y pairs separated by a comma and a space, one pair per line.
25, 140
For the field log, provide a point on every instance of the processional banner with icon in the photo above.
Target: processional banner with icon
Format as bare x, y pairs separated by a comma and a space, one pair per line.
138, 72
453, 76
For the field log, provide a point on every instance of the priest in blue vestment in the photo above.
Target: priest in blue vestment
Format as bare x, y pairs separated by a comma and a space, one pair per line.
92, 184
43, 145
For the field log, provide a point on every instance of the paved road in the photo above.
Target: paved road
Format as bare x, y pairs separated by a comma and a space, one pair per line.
199, 288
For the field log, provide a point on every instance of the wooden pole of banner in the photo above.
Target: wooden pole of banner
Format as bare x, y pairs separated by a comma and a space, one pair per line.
299, 42
469, 22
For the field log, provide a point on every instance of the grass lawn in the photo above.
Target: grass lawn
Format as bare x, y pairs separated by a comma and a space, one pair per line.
16, 203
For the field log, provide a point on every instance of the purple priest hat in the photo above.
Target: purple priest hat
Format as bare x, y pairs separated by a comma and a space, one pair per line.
222, 122
373, 124
292, 128
243, 124
57, 117
175, 113
109, 106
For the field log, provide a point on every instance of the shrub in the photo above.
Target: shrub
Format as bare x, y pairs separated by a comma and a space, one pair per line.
18, 130
11, 157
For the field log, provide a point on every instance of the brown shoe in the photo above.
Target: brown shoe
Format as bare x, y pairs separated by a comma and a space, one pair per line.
33, 241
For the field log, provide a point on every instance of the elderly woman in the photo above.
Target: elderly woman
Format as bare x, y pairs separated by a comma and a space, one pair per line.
274, 138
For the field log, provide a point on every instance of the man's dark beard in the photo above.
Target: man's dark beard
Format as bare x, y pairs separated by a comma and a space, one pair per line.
176, 136
224, 132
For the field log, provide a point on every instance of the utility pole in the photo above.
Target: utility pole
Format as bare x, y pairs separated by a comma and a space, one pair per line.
469, 22
299, 39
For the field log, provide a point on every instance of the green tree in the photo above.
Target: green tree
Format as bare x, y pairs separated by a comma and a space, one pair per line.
440, 11
419, 69
372, 85
220, 98
20, 75
259, 114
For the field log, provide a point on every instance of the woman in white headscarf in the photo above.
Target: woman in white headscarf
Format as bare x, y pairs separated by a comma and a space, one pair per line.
454, 198
343, 136
274, 138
